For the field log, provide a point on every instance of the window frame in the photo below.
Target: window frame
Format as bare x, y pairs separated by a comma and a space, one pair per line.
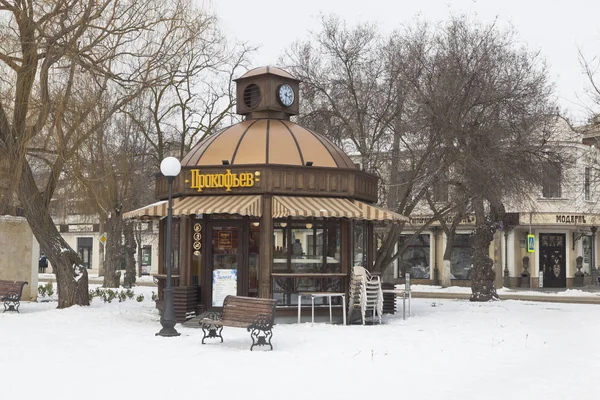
587, 181
552, 181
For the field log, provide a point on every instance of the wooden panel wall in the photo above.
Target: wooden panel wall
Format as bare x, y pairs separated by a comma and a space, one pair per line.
282, 180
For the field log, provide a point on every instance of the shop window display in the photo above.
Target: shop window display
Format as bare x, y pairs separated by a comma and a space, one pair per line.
415, 258
305, 248
461, 266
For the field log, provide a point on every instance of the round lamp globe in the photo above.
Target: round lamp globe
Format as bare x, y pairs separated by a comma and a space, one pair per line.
170, 166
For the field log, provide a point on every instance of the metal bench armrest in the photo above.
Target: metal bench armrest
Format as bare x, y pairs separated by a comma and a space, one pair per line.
11, 296
261, 322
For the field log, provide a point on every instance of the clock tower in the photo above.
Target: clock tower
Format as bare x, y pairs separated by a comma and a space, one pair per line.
267, 92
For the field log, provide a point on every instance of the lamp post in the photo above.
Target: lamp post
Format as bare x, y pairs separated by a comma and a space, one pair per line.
170, 168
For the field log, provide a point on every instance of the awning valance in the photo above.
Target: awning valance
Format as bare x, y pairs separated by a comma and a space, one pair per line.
331, 207
243, 205
158, 209
375, 213
328, 207
283, 207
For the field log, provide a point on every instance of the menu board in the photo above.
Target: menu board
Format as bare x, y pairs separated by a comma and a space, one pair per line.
224, 240
224, 284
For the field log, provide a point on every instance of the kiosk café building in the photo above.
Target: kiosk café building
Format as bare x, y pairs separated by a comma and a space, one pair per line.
265, 207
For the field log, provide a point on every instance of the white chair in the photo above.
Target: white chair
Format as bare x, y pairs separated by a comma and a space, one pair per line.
365, 294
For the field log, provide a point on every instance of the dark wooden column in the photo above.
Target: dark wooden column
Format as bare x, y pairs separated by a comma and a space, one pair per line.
266, 248
185, 251
161, 246
371, 248
346, 245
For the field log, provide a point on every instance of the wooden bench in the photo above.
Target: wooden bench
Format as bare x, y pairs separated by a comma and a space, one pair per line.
254, 314
10, 294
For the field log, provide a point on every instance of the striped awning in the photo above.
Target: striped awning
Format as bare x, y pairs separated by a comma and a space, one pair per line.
283, 207
328, 207
243, 205
375, 213
155, 210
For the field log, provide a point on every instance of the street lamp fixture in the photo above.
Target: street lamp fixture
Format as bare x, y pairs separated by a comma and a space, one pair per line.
170, 168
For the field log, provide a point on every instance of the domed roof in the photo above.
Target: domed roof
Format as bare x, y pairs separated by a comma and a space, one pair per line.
266, 70
267, 141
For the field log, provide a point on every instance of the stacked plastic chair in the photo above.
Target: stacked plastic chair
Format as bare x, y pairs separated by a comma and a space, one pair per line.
365, 295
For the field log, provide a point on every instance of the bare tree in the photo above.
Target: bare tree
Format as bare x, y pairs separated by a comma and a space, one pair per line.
459, 104
343, 92
196, 96
62, 58
110, 173
116, 163
358, 89
491, 103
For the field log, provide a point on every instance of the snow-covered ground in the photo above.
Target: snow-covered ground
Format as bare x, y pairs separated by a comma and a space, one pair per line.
95, 277
448, 349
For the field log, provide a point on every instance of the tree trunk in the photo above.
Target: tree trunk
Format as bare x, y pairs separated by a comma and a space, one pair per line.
130, 250
393, 197
71, 276
446, 274
384, 257
483, 278
446, 280
101, 249
112, 275
7, 188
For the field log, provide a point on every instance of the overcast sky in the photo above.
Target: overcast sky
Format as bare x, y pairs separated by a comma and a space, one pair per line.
557, 28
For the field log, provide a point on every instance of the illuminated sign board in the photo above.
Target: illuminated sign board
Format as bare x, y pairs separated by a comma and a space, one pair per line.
227, 180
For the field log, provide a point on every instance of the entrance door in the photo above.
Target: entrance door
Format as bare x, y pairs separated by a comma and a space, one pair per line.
225, 262
84, 249
552, 259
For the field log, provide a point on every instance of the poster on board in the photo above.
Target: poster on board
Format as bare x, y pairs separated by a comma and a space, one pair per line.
224, 240
224, 284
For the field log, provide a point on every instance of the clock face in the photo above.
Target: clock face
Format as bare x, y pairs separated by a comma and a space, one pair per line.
285, 94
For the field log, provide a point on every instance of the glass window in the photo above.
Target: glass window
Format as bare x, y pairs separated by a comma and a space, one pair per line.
587, 253
306, 247
280, 252
146, 256
415, 259
462, 251
332, 255
85, 247
586, 183
174, 246
359, 244
551, 181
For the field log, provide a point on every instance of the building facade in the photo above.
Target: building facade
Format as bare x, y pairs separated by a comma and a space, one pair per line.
84, 234
562, 217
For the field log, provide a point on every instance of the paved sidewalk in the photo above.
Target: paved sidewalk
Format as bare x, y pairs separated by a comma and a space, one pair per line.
584, 295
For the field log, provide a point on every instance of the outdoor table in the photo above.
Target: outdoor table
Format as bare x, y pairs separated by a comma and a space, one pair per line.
329, 295
404, 293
